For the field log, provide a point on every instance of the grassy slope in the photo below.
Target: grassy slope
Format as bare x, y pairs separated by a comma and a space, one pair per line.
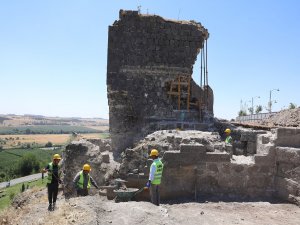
16, 189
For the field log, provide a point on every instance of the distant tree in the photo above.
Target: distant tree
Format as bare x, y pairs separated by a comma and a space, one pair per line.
27, 164
292, 106
23, 187
2, 174
242, 113
27, 131
48, 144
1, 147
258, 109
250, 109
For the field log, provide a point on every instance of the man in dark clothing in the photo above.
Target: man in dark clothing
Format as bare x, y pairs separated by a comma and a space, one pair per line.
82, 181
53, 180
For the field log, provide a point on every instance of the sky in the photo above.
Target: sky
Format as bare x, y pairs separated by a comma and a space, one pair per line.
53, 53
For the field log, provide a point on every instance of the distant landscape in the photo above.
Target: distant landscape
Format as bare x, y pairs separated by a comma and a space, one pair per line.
27, 142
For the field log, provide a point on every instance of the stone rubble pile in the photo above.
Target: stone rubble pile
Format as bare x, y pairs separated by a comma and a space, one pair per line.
285, 118
135, 159
97, 155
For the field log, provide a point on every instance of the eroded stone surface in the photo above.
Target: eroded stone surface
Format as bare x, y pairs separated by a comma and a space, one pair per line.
146, 53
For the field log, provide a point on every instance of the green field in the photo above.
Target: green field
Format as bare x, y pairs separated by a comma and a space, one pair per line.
47, 129
10, 192
10, 158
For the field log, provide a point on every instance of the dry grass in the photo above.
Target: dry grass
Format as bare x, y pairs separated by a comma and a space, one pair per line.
14, 141
41, 139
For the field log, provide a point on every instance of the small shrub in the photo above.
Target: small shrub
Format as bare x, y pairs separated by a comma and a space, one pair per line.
23, 187
292, 106
48, 144
12, 195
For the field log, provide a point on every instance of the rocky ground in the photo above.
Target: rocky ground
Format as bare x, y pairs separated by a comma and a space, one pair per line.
31, 208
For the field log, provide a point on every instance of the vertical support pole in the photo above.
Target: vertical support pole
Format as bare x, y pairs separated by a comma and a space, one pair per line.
179, 94
189, 90
206, 62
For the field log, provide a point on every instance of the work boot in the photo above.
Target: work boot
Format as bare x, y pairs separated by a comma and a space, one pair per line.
50, 207
53, 206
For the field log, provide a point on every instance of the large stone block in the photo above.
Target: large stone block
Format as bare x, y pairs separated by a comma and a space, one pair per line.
285, 187
288, 155
192, 149
288, 137
171, 158
216, 157
248, 137
264, 160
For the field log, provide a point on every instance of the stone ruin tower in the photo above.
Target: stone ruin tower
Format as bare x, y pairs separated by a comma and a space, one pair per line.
149, 77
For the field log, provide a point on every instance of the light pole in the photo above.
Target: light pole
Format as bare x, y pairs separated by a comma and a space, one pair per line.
270, 100
252, 104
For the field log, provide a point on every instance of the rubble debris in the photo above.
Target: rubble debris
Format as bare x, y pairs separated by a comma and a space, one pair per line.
81, 152
284, 118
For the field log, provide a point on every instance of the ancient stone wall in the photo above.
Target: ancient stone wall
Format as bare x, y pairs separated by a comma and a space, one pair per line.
193, 172
145, 54
287, 179
199, 173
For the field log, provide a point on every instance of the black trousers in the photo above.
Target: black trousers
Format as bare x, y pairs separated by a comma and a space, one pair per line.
154, 194
82, 192
52, 192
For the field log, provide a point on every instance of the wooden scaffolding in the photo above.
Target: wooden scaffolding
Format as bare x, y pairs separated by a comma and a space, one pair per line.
180, 88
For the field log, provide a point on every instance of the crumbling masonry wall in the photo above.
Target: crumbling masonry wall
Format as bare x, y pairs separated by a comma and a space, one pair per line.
194, 172
146, 53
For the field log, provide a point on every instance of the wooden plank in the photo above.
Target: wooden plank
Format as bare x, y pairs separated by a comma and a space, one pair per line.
173, 93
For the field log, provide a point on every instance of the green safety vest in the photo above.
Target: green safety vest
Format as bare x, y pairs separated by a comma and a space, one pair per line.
158, 172
81, 180
50, 171
228, 140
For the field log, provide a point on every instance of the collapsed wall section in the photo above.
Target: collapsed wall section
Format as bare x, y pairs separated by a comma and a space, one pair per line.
145, 54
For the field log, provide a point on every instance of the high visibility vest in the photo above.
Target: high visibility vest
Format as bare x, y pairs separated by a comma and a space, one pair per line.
50, 171
81, 180
158, 172
228, 140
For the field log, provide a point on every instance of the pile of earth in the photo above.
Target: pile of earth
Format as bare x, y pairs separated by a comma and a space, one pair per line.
284, 118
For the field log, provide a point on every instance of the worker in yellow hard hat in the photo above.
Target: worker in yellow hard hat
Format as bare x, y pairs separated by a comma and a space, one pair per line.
228, 139
54, 179
83, 181
155, 176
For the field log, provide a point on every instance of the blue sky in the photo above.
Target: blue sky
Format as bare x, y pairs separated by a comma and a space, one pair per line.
53, 53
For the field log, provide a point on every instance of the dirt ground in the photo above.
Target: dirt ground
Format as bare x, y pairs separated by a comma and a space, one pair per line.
98, 210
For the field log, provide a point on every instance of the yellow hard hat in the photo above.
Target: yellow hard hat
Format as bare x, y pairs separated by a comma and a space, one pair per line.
154, 152
56, 156
86, 167
228, 131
